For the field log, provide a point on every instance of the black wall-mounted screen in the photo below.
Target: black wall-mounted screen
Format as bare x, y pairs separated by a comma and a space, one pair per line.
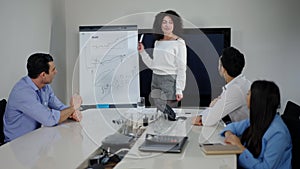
204, 46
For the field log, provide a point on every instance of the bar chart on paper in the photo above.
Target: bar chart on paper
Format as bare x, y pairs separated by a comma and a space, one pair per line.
108, 65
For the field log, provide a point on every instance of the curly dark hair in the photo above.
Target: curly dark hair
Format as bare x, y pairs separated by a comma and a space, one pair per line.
178, 26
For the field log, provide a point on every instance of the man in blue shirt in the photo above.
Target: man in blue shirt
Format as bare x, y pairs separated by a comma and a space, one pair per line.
32, 102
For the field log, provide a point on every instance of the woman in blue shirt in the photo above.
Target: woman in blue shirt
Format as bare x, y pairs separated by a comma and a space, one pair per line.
264, 138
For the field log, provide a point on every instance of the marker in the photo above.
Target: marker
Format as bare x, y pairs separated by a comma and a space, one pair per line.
141, 38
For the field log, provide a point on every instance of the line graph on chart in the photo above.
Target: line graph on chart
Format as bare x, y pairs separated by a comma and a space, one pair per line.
109, 67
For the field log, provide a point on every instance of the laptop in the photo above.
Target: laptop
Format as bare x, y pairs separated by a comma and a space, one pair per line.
163, 143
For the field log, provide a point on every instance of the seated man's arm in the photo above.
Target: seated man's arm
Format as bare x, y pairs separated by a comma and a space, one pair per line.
72, 111
66, 113
26, 101
54, 102
197, 120
230, 100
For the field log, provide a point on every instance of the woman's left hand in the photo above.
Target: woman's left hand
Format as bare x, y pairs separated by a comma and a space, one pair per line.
234, 140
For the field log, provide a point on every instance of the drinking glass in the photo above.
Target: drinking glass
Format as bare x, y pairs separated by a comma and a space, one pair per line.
141, 104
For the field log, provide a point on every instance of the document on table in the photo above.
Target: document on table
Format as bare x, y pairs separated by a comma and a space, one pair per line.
217, 149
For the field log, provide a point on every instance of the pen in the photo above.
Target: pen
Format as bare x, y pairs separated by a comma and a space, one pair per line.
209, 144
141, 38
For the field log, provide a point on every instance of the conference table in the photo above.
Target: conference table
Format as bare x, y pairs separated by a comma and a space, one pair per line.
71, 144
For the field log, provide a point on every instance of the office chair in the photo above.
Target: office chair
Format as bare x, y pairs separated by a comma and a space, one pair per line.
2, 110
291, 117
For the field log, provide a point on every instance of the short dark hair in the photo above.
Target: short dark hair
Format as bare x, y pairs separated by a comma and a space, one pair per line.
178, 28
233, 61
38, 63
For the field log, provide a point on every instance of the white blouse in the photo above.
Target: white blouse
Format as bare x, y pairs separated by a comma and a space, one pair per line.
169, 58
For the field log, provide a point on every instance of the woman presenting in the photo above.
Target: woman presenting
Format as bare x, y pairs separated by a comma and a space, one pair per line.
169, 59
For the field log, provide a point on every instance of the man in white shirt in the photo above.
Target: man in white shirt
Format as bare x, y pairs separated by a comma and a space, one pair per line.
232, 101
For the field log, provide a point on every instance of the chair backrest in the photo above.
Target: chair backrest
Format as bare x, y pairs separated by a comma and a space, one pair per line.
291, 117
2, 110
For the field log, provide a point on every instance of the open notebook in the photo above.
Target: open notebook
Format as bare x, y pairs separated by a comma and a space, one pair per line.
163, 143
